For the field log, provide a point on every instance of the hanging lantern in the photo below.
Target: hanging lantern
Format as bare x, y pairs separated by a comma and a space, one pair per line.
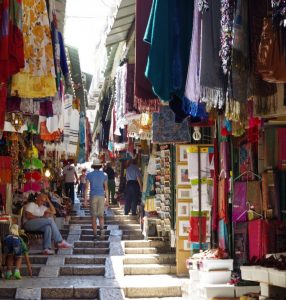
16, 119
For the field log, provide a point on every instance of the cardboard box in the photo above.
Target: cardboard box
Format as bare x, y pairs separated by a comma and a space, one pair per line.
210, 291
277, 278
216, 264
271, 291
243, 290
215, 277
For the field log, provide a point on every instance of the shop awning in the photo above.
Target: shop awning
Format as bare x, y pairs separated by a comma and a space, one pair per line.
122, 23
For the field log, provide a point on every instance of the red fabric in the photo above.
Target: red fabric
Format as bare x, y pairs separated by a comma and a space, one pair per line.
223, 188
3, 193
32, 187
4, 40
5, 162
33, 175
3, 99
194, 234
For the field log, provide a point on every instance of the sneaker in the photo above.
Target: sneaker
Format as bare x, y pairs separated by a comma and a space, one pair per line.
64, 245
48, 252
17, 275
8, 275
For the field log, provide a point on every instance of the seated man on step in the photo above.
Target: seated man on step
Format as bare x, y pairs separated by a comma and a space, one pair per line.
37, 217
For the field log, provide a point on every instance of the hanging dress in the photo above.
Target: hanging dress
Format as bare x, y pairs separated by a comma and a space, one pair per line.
37, 78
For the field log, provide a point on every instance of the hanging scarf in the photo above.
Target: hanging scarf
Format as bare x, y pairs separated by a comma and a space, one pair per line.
279, 21
226, 34
212, 79
264, 92
192, 90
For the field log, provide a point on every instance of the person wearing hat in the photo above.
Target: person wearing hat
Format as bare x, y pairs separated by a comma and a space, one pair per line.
96, 181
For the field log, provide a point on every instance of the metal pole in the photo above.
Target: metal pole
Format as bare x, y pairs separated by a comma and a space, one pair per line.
200, 196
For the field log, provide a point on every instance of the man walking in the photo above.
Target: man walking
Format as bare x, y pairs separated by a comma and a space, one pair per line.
133, 188
69, 179
111, 182
96, 181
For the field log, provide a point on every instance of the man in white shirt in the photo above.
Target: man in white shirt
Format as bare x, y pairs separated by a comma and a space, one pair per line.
37, 218
70, 175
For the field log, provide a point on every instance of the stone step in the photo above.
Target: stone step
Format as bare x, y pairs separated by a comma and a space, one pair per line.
144, 244
107, 218
132, 237
149, 269
82, 260
76, 270
150, 259
70, 293
25, 272
91, 251
90, 227
89, 244
90, 231
141, 250
7, 293
130, 227
152, 292
90, 237
37, 259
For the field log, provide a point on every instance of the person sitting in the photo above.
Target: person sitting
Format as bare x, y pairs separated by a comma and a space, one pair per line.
37, 218
14, 248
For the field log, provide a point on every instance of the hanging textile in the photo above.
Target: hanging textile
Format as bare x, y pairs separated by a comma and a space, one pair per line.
169, 49
223, 188
143, 89
3, 97
254, 197
212, 79
264, 92
239, 209
11, 39
192, 90
240, 233
238, 89
164, 128
195, 230
222, 235
37, 78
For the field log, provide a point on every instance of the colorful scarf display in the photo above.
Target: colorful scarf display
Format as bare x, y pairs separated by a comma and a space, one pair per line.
239, 213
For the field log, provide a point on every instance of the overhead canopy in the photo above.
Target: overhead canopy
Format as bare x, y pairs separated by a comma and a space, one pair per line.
122, 23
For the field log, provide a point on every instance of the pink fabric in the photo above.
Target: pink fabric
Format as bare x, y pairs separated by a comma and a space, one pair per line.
32, 187
239, 202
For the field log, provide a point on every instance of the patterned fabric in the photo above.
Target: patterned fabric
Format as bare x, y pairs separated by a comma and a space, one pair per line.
226, 34
203, 5
164, 128
37, 78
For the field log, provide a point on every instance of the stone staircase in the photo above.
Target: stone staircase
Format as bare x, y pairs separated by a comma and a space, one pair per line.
121, 262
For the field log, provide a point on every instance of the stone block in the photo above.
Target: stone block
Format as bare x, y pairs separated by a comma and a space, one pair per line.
111, 294
28, 294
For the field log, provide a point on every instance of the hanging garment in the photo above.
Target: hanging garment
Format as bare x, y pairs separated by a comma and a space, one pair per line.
3, 97
164, 128
240, 233
254, 197
212, 79
240, 71
195, 230
222, 235
143, 88
169, 34
223, 188
264, 92
11, 39
192, 90
37, 78
271, 61
239, 213
130, 88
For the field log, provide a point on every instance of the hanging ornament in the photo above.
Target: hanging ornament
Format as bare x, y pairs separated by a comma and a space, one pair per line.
197, 136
